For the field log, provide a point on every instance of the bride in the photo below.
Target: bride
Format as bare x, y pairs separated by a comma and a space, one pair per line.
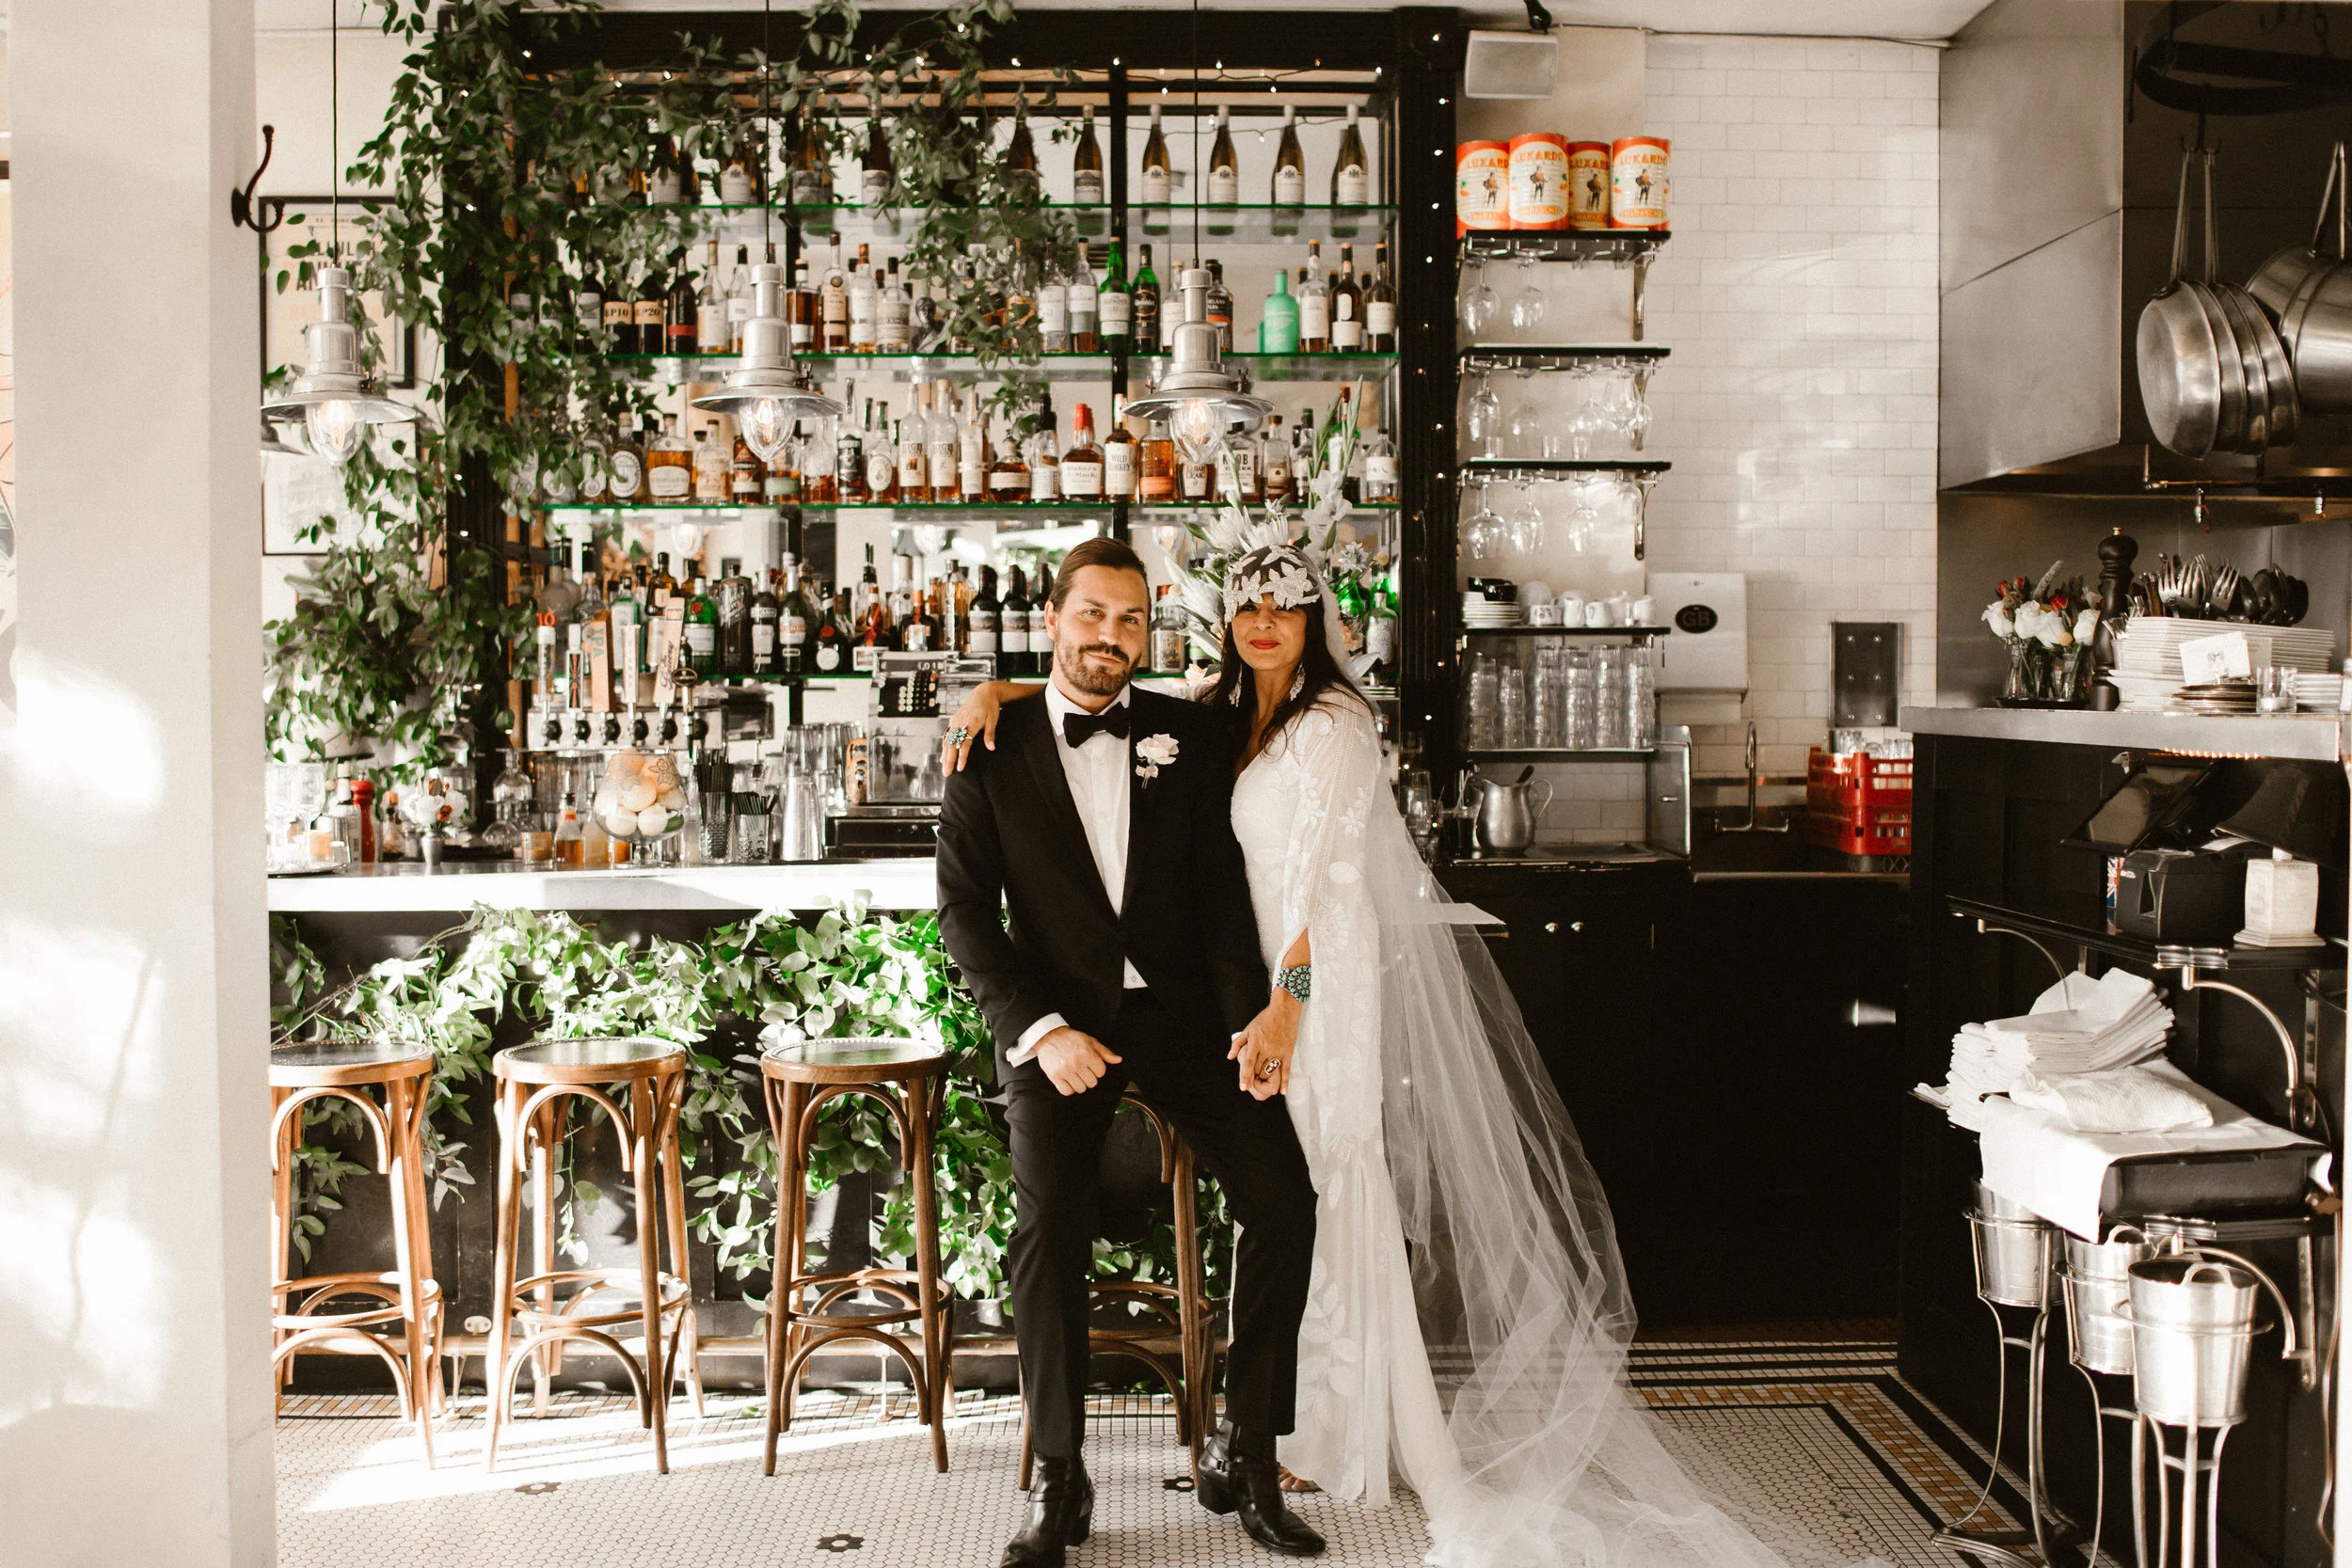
1468, 1321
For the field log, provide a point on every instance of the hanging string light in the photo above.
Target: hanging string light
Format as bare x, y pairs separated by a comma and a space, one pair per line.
767, 394
335, 400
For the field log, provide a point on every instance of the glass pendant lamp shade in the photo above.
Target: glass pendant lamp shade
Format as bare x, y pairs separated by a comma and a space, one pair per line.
765, 394
334, 400
1201, 401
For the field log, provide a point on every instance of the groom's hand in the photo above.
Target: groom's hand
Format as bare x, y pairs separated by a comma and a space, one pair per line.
1075, 1062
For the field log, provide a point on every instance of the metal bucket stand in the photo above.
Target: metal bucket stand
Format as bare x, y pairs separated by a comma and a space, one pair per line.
2002, 1546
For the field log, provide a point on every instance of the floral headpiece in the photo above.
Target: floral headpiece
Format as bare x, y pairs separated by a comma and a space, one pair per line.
1280, 570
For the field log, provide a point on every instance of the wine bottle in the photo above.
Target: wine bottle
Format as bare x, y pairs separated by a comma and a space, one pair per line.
1086, 166
1380, 306
1350, 178
766, 616
1347, 300
984, 623
1020, 155
1290, 163
710, 310
1115, 304
1157, 185
874, 172
1224, 165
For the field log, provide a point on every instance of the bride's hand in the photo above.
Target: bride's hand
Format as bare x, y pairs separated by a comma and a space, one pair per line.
974, 720
1270, 1042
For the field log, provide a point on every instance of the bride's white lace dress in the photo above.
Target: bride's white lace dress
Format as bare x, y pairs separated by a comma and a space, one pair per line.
1426, 1116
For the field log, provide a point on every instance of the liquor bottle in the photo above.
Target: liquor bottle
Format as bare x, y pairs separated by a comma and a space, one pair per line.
1144, 333
1348, 302
849, 451
926, 630
795, 625
1040, 635
668, 465
679, 316
800, 309
666, 185
625, 463
738, 298
588, 311
1380, 306
1306, 458
710, 310
874, 174
1380, 630
1290, 163
1380, 483
661, 587
702, 631
1020, 155
1155, 470
881, 454
1052, 306
620, 323
961, 289
1314, 304
626, 614
568, 849
1086, 166
940, 446
894, 314
1156, 189
739, 175
873, 637
1168, 633
595, 465
1085, 305
711, 464
1220, 304
1224, 167
1115, 305
1193, 482
1013, 633
747, 482
834, 310
1119, 453
924, 328
828, 642
1351, 184
1277, 329
812, 166
914, 485
983, 623
559, 596
652, 296
1045, 452
767, 659
864, 303
1008, 476
1019, 313
1338, 431
1274, 461
731, 598
1247, 480
1081, 464
971, 451
819, 483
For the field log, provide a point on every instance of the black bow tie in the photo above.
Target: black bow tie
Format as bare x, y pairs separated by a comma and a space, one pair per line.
1078, 728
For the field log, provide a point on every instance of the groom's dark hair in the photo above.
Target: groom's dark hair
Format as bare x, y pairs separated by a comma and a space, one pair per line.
1115, 553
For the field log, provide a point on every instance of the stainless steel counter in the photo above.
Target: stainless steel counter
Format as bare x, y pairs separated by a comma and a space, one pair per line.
884, 884
2316, 737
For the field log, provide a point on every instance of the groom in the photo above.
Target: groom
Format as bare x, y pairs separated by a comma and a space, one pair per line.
1102, 821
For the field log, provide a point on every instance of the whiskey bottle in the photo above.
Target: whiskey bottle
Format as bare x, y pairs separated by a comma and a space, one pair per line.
1220, 303
864, 305
679, 319
711, 464
894, 314
794, 624
646, 315
914, 485
834, 310
1045, 453
746, 480
731, 598
882, 456
1008, 476
1144, 334
1081, 464
1156, 471
668, 465
1119, 454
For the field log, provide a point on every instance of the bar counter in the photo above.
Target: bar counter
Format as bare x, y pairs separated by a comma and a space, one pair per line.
2311, 736
900, 883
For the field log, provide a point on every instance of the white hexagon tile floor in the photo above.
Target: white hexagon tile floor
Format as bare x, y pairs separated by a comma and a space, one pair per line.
1818, 1447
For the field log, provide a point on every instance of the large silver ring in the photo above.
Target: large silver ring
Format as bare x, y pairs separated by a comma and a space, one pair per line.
958, 735
1267, 1070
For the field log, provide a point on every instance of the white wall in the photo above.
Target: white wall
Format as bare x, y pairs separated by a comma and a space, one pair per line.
134, 1402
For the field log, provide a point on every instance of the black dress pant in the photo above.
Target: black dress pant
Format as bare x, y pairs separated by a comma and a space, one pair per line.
1246, 1144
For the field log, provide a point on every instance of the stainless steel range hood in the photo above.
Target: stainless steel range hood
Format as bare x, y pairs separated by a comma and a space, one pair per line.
2058, 180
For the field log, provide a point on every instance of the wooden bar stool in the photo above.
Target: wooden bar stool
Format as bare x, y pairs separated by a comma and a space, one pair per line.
1182, 1306
401, 1322
535, 1084
909, 1080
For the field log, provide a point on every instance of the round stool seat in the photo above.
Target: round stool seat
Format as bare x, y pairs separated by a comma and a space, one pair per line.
360, 1059
859, 1059
594, 1060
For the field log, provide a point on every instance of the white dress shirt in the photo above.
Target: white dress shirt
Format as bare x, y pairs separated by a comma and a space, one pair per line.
1097, 772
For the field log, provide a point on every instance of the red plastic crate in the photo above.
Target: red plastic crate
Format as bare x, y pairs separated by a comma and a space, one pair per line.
1881, 832
1841, 785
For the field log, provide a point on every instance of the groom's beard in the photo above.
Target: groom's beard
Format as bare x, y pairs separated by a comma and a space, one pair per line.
1071, 661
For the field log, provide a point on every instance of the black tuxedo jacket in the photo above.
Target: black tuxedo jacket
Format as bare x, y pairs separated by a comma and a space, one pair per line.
1010, 839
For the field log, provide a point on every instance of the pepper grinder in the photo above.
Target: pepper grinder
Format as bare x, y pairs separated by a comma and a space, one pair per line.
2117, 552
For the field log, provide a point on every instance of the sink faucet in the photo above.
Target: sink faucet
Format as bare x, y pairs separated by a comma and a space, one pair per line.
1756, 779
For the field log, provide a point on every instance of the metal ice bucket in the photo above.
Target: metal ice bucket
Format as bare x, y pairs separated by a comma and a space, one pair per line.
2192, 1318
2012, 1248
2097, 1281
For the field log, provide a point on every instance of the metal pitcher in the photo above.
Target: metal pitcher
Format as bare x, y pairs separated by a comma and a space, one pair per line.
1507, 817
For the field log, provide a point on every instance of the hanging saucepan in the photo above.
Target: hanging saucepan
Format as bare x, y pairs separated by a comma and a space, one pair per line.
2191, 379
2272, 411
2276, 281
2317, 327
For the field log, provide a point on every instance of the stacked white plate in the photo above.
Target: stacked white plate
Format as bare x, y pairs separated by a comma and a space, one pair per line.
2324, 692
1480, 613
2148, 654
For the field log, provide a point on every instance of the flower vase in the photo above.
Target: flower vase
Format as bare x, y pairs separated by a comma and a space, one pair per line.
2025, 671
2068, 678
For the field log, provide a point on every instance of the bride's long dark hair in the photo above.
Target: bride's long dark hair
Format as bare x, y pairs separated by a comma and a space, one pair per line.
1236, 688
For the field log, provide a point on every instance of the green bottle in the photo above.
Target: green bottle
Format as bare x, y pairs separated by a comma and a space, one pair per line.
702, 631
1115, 303
1146, 308
1277, 332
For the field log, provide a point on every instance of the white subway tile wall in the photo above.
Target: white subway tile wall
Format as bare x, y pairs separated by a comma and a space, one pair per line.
1799, 298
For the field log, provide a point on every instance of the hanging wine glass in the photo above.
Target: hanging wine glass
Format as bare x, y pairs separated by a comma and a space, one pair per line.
1479, 302
1485, 533
1635, 419
1588, 421
1528, 430
1527, 305
1484, 417
1583, 517
1527, 522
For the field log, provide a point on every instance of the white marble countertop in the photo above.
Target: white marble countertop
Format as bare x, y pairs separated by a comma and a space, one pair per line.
2313, 736
908, 884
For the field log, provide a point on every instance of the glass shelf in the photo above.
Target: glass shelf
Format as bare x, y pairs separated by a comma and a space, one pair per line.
1260, 223
1510, 469
1565, 245
944, 510
1567, 631
1558, 357
1244, 223
1530, 753
678, 369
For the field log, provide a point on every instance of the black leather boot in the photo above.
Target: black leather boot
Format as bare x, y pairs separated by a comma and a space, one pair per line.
1062, 1515
1236, 1475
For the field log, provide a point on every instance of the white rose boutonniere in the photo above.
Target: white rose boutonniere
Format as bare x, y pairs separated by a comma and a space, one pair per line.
1154, 752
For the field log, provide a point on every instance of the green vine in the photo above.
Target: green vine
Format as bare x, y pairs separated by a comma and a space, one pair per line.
494, 176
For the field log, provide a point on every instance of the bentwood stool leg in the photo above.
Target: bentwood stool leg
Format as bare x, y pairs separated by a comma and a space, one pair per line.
1192, 1310
402, 1101
511, 1155
643, 1162
545, 1136
282, 1217
784, 1118
932, 1402
687, 1339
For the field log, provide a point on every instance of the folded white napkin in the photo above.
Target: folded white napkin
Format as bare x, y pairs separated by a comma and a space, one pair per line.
2079, 1025
2118, 1099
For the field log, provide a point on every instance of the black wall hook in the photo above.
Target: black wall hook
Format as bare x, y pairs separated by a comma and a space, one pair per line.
1538, 18
243, 211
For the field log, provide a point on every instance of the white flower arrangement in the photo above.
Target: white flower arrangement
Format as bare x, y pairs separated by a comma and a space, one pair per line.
1154, 752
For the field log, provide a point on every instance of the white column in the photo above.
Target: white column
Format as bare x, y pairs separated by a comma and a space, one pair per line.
134, 1409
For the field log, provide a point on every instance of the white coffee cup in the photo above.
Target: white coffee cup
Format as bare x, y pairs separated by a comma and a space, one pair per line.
1546, 613
1597, 613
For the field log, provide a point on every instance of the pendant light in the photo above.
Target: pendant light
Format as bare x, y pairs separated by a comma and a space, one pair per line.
1201, 401
334, 399
765, 394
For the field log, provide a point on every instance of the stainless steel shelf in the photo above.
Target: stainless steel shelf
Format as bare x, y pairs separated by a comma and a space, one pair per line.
1515, 469
1530, 753
1565, 245
1567, 631
1559, 356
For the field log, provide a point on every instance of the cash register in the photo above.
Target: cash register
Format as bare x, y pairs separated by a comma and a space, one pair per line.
912, 697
